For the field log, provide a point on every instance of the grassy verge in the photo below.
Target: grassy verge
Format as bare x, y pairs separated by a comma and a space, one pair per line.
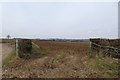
106, 67
10, 59
7, 40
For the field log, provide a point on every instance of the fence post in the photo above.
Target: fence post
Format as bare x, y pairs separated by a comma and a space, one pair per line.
16, 47
90, 53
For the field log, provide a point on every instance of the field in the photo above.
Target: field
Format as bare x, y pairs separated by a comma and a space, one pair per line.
6, 40
55, 59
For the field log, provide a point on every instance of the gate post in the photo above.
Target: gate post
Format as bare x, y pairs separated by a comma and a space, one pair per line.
16, 47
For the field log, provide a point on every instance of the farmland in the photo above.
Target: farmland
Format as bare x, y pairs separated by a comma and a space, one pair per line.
60, 59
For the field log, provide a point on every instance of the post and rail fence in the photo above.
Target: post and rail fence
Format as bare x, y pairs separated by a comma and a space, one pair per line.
103, 47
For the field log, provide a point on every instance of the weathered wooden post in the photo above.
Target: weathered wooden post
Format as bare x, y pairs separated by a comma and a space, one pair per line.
90, 52
16, 47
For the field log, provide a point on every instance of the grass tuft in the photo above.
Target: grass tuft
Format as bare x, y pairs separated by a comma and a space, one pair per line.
107, 67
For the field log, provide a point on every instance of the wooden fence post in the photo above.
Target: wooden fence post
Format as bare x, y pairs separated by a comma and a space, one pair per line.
90, 52
16, 47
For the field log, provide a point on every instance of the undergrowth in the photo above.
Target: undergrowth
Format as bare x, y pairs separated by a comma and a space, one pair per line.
106, 67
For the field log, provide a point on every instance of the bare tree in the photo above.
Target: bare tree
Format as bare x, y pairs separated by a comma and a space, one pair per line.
8, 36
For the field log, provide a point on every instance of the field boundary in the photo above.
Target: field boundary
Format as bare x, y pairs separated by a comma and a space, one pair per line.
105, 46
100, 47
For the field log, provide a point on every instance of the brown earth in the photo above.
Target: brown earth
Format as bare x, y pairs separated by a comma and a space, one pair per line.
7, 48
56, 60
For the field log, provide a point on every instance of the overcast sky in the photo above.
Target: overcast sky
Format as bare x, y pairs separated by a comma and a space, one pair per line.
60, 20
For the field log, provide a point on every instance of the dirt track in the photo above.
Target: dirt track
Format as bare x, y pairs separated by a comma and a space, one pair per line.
52, 59
6, 50
57, 60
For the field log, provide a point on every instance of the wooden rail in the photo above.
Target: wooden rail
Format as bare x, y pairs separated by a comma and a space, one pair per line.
108, 49
105, 46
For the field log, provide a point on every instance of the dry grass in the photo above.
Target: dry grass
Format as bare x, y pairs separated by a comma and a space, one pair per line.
57, 60
106, 67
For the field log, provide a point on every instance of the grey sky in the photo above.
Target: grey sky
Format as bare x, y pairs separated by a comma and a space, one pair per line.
60, 20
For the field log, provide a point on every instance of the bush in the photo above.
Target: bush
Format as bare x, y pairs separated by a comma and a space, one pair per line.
24, 48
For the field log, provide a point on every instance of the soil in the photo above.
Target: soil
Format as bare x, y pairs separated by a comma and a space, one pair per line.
7, 48
56, 60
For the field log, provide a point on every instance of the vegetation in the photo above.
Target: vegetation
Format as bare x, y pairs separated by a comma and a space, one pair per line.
8, 36
54, 59
7, 40
106, 67
10, 59
24, 48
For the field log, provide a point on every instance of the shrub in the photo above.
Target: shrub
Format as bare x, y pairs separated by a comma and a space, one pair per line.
24, 48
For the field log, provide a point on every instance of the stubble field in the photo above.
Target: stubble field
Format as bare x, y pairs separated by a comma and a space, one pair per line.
54, 59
